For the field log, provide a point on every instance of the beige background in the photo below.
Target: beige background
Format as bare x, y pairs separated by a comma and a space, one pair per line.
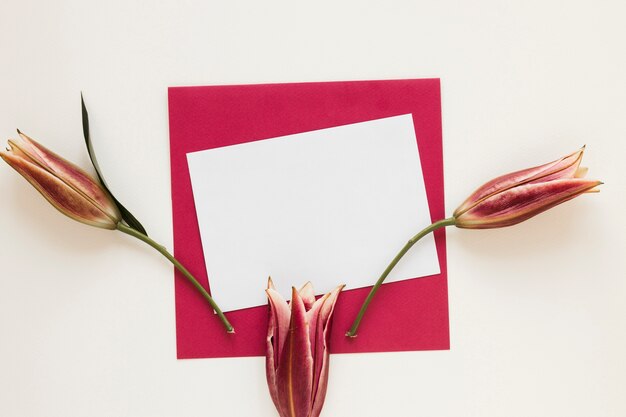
537, 312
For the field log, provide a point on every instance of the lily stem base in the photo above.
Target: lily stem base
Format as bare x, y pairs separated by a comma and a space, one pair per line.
436, 225
161, 249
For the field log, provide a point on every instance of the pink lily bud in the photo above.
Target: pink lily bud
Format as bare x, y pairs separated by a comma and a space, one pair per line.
297, 350
518, 196
67, 187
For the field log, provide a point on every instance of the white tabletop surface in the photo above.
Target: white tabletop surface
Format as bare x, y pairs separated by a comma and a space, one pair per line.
537, 312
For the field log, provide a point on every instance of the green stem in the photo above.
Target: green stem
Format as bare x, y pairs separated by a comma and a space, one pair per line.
357, 321
132, 232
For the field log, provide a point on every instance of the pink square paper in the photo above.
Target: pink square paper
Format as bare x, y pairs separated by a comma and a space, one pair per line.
406, 315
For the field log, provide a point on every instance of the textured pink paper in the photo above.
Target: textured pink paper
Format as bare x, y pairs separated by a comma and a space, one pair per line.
406, 315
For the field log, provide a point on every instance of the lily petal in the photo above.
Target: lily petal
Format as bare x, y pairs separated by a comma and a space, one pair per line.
523, 202
295, 368
561, 168
322, 354
565, 168
316, 327
277, 329
65, 199
581, 172
307, 294
71, 174
280, 316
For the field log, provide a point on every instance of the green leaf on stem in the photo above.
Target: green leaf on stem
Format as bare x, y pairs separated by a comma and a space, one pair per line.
127, 216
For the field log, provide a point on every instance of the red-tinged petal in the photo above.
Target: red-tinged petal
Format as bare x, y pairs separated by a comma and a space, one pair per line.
521, 203
295, 368
64, 198
278, 313
270, 363
322, 386
566, 168
18, 152
312, 317
280, 316
311, 314
71, 174
270, 283
307, 294
322, 354
562, 168
581, 172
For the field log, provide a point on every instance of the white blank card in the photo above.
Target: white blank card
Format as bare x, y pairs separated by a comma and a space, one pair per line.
328, 206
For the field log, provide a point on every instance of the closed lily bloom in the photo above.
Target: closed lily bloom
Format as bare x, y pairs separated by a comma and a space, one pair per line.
76, 194
67, 187
518, 196
297, 352
505, 201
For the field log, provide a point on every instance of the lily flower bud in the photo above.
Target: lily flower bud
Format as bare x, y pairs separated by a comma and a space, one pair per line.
504, 201
297, 350
67, 187
518, 196
76, 194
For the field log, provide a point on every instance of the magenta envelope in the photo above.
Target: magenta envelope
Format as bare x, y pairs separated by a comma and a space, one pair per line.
405, 315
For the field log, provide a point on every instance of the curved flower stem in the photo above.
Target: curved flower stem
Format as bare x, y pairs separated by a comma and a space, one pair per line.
161, 249
441, 223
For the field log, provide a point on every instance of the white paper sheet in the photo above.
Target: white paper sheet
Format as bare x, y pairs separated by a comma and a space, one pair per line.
329, 206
